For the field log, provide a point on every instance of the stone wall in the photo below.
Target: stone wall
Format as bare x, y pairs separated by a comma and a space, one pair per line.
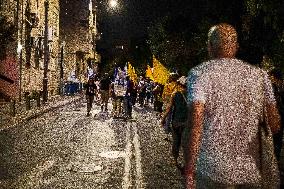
75, 32
31, 24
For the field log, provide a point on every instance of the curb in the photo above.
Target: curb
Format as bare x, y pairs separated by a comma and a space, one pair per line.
37, 112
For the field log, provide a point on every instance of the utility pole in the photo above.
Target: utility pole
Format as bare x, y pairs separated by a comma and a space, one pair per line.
20, 43
46, 53
95, 33
61, 69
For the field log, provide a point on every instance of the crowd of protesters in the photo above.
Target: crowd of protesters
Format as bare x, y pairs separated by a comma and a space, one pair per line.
124, 94
214, 115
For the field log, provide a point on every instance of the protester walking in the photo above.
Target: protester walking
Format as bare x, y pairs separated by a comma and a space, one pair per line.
119, 92
169, 89
148, 90
158, 101
229, 101
278, 88
178, 107
104, 91
90, 94
128, 97
141, 91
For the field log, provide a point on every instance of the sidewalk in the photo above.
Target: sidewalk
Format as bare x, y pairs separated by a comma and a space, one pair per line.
8, 121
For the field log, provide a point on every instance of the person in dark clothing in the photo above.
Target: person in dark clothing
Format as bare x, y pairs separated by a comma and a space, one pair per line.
148, 90
134, 94
158, 101
90, 94
141, 89
128, 97
278, 88
104, 91
178, 103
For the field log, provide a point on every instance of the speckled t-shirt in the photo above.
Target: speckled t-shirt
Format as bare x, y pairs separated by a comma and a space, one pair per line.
232, 92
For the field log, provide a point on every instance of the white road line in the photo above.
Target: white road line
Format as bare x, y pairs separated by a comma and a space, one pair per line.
136, 142
127, 166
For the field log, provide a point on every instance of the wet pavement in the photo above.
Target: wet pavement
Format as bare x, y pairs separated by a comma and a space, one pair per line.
64, 149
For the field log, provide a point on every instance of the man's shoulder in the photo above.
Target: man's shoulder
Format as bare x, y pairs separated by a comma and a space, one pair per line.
201, 66
213, 65
199, 69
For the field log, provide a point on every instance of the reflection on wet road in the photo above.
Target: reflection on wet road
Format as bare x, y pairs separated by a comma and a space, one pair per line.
66, 149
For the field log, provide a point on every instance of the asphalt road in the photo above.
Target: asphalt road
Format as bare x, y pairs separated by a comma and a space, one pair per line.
64, 149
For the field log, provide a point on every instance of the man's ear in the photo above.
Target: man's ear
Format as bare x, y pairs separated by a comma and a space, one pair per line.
237, 47
209, 49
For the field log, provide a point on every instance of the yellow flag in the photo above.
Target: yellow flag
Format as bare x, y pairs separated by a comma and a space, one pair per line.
160, 72
131, 73
149, 73
135, 77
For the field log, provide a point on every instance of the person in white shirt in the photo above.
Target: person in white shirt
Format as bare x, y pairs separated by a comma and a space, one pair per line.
226, 98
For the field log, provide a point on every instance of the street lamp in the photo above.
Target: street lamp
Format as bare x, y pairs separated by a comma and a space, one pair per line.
61, 69
113, 3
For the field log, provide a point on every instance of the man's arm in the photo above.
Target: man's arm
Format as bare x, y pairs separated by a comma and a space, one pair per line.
195, 122
273, 118
168, 109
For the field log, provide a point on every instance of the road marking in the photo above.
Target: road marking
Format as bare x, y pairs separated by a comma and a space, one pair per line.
132, 148
136, 142
112, 154
127, 165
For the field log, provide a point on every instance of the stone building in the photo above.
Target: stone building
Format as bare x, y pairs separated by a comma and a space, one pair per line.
24, 60
77, 21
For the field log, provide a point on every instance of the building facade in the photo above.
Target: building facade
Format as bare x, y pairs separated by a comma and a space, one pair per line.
78, 32
24, 61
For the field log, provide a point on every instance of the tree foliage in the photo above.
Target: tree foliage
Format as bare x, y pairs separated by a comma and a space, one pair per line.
178, 39
171, 48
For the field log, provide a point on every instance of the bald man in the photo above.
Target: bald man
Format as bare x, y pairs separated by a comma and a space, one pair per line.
226, 99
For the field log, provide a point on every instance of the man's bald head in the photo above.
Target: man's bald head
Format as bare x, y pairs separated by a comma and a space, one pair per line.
222, 41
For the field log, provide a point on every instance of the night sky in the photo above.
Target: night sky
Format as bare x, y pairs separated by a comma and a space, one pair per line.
130, 20
133, 17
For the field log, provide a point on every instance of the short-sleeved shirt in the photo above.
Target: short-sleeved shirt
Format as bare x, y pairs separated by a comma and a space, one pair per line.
90, 89
104, 84
233, 93
179, 107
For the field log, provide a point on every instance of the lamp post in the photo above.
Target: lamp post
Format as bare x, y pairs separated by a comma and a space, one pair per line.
61, 71
113, 3
20, 26
46, 53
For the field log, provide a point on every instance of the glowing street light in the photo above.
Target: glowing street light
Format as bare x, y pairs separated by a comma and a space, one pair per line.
19, 48
113, 3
